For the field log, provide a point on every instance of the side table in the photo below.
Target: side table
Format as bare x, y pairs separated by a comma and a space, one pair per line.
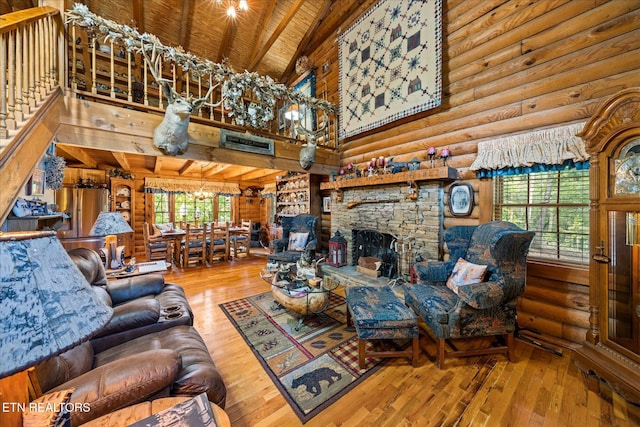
133, 413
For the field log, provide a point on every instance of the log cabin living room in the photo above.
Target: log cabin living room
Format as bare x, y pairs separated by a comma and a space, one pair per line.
320, 212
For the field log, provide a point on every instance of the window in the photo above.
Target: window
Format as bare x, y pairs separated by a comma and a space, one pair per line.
161, 213
183, 207
555, 205
189, 209
224, 208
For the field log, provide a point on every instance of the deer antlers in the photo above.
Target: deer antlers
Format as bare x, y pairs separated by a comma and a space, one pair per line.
171, 135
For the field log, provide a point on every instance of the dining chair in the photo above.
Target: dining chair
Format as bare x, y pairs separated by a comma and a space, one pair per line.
155, 248
241, 239
218, 245
194, 245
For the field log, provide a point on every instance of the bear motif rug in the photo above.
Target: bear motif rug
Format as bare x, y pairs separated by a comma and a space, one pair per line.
312, 365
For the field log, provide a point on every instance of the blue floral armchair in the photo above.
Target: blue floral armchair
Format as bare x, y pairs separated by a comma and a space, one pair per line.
481, 309
296, 224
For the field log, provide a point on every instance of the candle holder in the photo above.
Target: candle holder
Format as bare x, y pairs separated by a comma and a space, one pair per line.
444, 154
431, 153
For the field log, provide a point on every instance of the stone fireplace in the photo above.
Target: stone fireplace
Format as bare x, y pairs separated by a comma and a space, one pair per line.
404, 226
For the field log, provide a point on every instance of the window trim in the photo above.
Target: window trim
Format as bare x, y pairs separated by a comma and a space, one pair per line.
556, 206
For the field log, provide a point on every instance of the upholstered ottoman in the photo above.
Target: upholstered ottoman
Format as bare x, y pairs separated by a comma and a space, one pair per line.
378, 314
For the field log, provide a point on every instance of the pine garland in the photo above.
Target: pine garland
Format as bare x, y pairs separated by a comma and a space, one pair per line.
235, 85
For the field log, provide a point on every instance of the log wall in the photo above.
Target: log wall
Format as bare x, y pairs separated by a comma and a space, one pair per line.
510, 66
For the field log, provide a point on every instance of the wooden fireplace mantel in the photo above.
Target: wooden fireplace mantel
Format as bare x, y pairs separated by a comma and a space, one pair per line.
444, 173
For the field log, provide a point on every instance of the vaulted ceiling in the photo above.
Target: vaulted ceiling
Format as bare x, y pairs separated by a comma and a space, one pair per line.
267, 38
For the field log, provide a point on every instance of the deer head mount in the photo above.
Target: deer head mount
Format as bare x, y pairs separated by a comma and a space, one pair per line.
171, 135
308, 150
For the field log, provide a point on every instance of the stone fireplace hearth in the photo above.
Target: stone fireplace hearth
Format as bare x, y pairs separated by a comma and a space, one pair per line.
415, 226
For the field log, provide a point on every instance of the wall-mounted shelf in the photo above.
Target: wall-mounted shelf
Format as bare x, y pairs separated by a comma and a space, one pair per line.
444, 173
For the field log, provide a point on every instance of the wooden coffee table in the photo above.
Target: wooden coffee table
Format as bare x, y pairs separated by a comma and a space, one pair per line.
296, 294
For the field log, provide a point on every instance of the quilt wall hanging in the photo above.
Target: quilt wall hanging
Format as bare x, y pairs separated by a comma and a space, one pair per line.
390, 64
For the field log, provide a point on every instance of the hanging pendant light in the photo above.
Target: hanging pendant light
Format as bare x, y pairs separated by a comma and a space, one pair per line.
201, 193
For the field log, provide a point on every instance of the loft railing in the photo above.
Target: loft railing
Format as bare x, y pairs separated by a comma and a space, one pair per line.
30, 58
113, 69
38, 56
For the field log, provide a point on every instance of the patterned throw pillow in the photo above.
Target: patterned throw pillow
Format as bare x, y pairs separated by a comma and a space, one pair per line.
298, 241
465, 273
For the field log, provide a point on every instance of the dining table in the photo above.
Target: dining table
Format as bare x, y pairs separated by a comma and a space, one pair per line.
173, 238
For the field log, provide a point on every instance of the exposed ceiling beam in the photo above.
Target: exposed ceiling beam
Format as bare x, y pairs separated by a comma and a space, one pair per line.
266, 17
122, 160
157, 168
225, 42
138, 15
259, 174
276, 33
237, 172
80, 155
322, 13
186, 20
188, 166
216, 169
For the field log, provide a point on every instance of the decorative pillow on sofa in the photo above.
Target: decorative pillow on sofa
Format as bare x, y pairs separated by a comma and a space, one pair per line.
298, 241
465, 273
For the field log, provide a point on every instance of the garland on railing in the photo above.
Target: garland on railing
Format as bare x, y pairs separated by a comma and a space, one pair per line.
265, 90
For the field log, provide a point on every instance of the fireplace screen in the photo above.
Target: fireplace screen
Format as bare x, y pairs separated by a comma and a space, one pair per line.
371, 243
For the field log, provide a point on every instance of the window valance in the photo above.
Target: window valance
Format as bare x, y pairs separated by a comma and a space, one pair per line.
546, 149
170, 185
269, 190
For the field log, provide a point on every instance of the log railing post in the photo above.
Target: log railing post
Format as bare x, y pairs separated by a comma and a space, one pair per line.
28, 49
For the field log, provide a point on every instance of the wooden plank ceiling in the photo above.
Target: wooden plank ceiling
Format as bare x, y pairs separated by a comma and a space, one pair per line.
268, 38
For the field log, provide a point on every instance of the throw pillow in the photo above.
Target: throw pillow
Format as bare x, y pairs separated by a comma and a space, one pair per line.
465, 273
298, 241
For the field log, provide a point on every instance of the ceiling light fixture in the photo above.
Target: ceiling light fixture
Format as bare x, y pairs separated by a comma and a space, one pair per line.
201, 193
233, 6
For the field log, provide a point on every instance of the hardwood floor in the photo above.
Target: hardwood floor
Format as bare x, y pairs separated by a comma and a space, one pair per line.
540, 389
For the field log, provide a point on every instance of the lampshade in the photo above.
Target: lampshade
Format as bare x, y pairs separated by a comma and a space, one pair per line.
109, 223
46, 304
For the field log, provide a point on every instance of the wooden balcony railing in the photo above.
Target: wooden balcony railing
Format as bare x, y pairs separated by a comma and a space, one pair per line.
30, 58
103, 70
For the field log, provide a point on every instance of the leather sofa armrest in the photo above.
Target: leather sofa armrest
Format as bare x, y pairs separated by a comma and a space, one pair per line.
134, 287
131, 315
122, 383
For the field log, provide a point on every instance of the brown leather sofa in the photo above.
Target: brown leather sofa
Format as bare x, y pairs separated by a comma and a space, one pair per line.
141, 354
141, 304
171, 362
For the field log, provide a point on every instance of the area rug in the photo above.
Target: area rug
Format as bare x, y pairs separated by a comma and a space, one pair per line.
313, 366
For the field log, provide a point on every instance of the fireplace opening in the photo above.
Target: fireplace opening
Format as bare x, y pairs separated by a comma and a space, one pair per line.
372, 243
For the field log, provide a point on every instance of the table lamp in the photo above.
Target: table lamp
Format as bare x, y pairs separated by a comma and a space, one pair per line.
109, 224
46, 306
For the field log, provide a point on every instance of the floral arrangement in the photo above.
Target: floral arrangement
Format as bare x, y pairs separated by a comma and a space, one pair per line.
236, 86
54, 171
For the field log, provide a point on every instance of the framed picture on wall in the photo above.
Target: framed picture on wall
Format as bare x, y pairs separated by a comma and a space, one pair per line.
35, 186
461, 199
326, 204
307, 85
